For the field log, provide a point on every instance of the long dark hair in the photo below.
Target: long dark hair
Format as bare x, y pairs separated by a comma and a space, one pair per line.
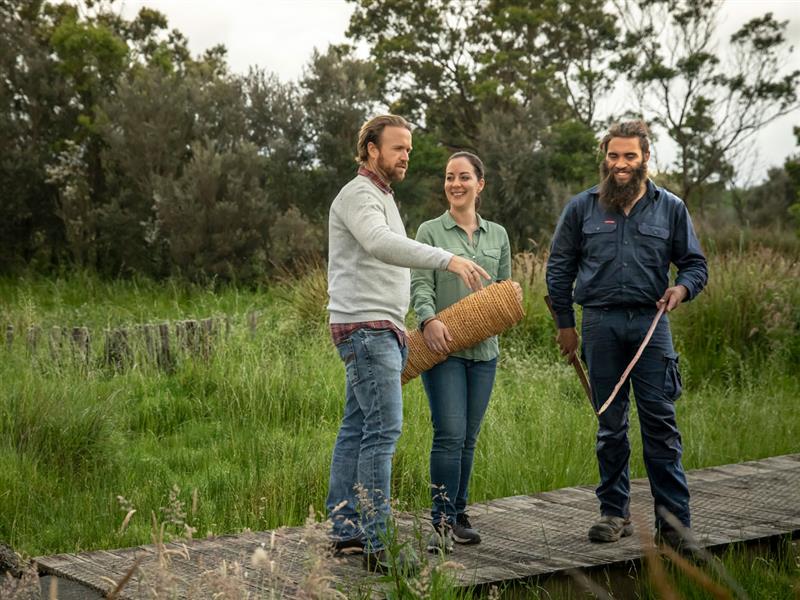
477, 166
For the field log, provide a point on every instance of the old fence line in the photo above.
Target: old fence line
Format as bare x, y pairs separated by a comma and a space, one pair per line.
160, 344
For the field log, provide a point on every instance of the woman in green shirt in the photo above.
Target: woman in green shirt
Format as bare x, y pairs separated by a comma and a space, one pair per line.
459, 388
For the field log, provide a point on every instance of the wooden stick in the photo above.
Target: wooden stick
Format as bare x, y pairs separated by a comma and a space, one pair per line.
575, 361
633, 362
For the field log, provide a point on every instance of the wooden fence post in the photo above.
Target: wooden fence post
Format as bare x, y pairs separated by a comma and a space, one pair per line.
252, 322
81, 344
164, 357
192, 336
207, 333
148, 331
117, 349
56, 343
33, 334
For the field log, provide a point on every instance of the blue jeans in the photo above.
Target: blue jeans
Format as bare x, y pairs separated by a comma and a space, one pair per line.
610, 340
361, 468
458, 393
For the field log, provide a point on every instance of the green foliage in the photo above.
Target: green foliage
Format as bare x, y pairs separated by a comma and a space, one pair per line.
294, 241
708, 107
421, 193
100, 115
515, 83
792, 168
339, 93
214, 217
90, 54
743, 317
251, 427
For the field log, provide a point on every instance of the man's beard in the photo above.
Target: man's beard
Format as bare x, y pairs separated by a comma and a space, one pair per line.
617, 196
392, 173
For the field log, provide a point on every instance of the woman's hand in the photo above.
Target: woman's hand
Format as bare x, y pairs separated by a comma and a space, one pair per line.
436, 336
517, 290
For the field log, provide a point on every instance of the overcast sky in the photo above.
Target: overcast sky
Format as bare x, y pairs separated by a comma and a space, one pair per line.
280, 35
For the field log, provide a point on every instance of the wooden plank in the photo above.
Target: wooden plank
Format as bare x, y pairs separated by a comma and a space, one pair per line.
523, 536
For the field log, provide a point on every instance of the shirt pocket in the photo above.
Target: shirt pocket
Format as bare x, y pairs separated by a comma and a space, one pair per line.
489, 259
446, 277
653, 248
599, 241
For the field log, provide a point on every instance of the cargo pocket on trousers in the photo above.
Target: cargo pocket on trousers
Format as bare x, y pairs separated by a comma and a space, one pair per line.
672, 377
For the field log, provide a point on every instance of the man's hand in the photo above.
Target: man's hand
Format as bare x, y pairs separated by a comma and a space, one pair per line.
567, 339
673, 297
437, 336
469, 272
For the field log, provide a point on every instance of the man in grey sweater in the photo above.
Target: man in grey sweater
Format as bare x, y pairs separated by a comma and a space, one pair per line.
369, 257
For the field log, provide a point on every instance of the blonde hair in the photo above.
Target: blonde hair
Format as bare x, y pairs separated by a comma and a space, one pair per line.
371, 132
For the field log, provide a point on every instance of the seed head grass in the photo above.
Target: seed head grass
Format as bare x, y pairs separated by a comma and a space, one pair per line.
246, 432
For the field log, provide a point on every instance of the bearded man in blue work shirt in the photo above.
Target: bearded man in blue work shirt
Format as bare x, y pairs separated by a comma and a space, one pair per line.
615, 242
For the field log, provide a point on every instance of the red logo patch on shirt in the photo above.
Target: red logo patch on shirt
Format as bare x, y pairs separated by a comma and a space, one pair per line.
609, 222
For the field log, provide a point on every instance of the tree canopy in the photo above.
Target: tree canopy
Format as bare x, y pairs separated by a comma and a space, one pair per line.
123, 153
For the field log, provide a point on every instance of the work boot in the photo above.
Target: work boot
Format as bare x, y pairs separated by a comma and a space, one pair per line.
683, 543
610, 529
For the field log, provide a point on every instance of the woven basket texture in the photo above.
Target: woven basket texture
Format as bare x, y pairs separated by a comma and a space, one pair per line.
471, 320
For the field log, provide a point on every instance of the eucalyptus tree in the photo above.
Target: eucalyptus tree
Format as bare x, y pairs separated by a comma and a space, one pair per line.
709, 99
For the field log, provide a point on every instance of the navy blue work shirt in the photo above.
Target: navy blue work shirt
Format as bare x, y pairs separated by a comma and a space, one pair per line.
622, 261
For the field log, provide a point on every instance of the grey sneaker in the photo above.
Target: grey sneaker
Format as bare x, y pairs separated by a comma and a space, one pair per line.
610, 529
441, 540
464, 532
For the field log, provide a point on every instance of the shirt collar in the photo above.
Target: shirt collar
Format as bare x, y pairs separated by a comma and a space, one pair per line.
652, 190
379, 183
450, 223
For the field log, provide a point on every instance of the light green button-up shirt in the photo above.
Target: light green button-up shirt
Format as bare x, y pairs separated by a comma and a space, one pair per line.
432, 291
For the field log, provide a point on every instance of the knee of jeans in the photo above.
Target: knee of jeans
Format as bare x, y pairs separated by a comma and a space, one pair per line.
448, 438
613, 433
663, 448
607, 441
471, 440
392, 430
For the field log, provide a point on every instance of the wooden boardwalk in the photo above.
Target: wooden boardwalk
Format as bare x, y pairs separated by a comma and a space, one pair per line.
523, 536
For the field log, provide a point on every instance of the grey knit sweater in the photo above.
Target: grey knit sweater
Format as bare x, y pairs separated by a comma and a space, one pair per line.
369, 256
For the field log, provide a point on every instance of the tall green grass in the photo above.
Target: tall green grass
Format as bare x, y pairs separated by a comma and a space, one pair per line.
251, 429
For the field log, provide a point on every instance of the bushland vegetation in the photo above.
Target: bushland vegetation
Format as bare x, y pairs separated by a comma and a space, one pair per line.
123, 154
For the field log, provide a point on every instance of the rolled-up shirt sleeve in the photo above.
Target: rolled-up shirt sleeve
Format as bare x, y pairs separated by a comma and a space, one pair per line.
562, 265
687, 255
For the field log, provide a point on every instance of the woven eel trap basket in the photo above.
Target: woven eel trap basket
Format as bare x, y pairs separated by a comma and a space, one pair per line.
470, 320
